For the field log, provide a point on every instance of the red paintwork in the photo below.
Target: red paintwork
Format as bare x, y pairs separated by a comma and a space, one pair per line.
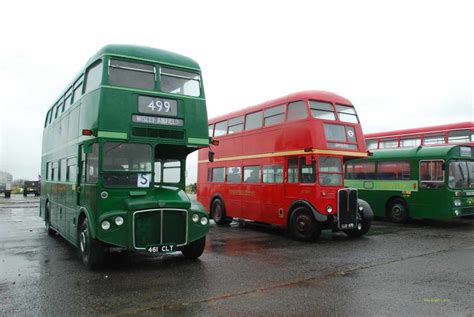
444, 129
261, 202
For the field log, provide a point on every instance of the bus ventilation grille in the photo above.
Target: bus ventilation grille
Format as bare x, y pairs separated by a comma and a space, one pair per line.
157, 133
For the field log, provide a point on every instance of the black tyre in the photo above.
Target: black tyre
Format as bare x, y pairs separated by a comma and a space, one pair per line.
397, 210
8, 194
218, 213
194, 249
91, 252
24, 194
47, 220
303, 226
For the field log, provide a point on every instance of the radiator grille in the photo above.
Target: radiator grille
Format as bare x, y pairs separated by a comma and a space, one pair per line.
159, 226
347, 208
157, 133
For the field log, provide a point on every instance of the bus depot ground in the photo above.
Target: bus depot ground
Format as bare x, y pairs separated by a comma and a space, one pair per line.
422, 268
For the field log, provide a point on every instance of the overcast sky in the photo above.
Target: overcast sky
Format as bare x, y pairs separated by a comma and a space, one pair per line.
403, 64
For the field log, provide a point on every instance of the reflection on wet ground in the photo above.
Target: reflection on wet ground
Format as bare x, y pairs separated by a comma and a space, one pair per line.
247, 269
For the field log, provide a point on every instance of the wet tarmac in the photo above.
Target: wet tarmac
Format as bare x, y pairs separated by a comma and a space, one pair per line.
423, 268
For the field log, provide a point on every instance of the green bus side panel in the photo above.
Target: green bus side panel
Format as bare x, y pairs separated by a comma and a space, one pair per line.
408, 185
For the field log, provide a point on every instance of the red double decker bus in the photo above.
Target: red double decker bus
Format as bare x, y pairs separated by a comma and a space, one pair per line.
461, 133
281, 163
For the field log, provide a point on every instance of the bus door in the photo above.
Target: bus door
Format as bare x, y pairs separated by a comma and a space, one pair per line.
431, 198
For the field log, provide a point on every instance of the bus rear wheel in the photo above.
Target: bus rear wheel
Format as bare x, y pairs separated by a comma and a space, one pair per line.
91, 252
47, 221
303, 226
194, 249
397, 210
218, 213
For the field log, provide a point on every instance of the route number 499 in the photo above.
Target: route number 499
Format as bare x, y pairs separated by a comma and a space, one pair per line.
160, 106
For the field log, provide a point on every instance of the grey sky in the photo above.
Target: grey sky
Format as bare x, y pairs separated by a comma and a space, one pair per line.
403, 64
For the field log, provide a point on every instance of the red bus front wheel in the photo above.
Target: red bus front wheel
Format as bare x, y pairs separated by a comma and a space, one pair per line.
303, 226
218, 213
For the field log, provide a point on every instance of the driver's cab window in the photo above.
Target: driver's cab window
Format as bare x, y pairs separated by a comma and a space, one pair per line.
168, 171
307, 171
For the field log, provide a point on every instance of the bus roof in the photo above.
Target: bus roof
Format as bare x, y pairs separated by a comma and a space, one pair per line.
420, 152
145, 53
307, 94
415, 131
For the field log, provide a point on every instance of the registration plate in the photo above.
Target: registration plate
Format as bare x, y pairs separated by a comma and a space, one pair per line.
161, 248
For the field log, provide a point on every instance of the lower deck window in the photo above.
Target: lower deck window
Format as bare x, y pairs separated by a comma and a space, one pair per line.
432, 174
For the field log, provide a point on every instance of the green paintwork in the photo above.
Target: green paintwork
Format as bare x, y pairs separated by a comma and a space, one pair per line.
107, 111
112, 135
198, 141
430, 203
408, 185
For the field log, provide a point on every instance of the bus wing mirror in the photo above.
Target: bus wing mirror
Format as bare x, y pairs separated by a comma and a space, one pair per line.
211, 156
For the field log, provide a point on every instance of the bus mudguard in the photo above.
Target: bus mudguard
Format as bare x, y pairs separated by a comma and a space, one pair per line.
319, 217
367, 211
84, 211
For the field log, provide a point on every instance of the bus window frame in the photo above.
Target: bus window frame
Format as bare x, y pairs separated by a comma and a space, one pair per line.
133, 69
437, 182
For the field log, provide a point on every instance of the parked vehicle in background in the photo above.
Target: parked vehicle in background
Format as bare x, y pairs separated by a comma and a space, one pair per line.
31, 187
281, 163
421, 182
115, 144
455, 133
6, 184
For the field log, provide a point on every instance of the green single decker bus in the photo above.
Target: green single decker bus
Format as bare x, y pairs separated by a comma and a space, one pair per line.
114, 153
434, 182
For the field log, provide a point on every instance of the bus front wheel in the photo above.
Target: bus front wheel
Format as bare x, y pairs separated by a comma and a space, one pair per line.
91, 252
218, 213
194, 249
363, 226
303, 226
398, 210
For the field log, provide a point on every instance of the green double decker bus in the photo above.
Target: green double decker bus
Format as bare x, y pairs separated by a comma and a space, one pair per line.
434, 182
114, 153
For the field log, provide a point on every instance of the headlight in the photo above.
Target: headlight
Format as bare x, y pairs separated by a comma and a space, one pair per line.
195, 218
119, 221
457, 202
329, 208
361, 208
456, 212
105, 225
203, 221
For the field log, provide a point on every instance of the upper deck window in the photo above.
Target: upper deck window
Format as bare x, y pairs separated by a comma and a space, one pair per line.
211, 130
180, 82
221, 128
322, 110
253, 120
274, 115
388, 144
94, 76
434, 139
131, 74
347, 114
236, 124
460, 136
411, 141
372, 144
297, 110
